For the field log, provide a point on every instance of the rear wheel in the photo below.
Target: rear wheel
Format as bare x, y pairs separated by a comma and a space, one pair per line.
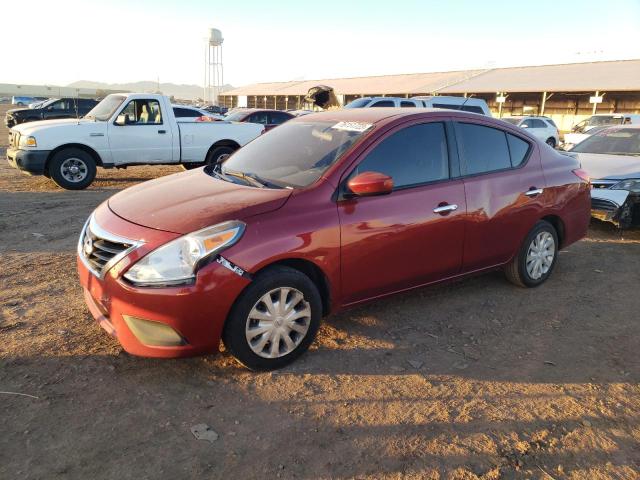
219, 154
535, 261
72, 169
274, 320
551, 142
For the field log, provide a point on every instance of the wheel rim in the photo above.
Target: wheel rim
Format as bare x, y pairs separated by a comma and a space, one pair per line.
221, 158
74, 170
540, 255
278, 322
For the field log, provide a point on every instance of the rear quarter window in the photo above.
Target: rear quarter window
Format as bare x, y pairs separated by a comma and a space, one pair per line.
518, 149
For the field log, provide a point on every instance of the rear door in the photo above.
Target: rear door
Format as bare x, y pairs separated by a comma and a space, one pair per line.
504, 187
398, 241
147, 136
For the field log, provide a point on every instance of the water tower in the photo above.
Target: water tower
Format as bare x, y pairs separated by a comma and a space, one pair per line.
213, 71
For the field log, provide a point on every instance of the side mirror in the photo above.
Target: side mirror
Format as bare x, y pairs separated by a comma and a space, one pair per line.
122, 120
370, 183
524, 125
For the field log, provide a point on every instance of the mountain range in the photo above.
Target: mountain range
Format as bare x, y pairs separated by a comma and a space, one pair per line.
179, 91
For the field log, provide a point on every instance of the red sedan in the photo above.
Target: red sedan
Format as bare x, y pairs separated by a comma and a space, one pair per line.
325, 212
268, 118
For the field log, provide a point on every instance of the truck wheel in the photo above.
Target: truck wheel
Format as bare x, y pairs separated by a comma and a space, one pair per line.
219, 155
537, 256
274, 320
72, 169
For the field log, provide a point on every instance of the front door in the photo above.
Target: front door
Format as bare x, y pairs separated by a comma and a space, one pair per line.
145, 137
406, 238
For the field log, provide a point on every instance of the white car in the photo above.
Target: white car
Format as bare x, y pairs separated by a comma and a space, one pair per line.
474, 105
589, 126
122, 130
540, 127
186, 113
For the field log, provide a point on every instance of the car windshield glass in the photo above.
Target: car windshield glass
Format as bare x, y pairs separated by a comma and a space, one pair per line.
605, 120
236, 116
44, 104
106, 108
358, 103
515, 121
295, 154
612, 141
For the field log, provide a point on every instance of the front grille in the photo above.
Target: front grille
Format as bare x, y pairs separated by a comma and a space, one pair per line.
101, 250
604, 205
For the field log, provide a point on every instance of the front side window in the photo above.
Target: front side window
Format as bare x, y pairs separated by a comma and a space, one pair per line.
483, 149
59, 106
143, 112
411, 156
384, 103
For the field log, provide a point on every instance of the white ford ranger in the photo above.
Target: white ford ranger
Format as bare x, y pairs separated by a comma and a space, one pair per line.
123, 129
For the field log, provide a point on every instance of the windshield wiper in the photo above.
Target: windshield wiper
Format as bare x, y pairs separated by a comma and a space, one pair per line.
251, 178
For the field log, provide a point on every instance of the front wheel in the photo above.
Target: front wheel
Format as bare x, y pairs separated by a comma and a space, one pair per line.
218, 155
534, 263
72, 169
274, 320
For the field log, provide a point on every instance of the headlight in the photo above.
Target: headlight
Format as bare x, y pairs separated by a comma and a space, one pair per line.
632, 185
177, 261
28, 142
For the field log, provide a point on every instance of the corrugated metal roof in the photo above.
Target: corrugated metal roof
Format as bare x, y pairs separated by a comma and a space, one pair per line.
619, 75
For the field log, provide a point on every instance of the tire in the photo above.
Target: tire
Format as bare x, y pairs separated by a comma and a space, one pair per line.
218, 155
270, 283
72, 169
551, 142
523, 273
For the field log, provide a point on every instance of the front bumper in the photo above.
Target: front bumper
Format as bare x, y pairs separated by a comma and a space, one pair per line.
32, 162
617, 206
195, 313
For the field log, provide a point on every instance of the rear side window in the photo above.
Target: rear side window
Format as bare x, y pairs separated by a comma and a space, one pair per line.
186, 112
406, 104
518, 149
259, 117
384, 103
411, 156
472, 109
483, 149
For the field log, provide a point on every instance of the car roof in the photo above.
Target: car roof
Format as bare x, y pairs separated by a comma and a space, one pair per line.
375, 115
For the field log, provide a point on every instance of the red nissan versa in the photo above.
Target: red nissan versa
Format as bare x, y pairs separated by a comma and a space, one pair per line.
324, 212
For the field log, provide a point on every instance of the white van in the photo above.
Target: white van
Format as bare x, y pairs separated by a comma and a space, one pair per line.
474, 105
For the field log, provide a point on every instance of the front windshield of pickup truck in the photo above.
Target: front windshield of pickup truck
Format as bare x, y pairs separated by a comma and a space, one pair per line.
106, 108
295, 154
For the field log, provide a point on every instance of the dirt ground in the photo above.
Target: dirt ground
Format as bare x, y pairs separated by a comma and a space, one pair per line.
477, 379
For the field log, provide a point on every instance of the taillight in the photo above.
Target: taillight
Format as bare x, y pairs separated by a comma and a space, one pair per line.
582, 175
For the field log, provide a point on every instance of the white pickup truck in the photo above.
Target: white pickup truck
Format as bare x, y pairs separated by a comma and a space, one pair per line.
122, 130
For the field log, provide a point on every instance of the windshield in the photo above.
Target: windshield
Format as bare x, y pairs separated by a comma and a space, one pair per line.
358, 103
106, 108
236, 116
515, 121
605, 120
295, 154
612, 141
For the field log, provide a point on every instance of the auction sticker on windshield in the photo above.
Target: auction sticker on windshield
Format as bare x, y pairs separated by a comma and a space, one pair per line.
352, 126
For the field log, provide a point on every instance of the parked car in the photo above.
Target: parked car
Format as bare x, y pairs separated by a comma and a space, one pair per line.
542, 128
50, 109
217, 109
380, 102
587, 127
22, 101
474, 105
611, 157
325, 212
468, 104
268, 118
121, 130
186, 113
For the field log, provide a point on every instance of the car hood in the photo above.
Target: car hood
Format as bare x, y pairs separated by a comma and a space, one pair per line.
13, 111
189, 201
604, 166
30, 127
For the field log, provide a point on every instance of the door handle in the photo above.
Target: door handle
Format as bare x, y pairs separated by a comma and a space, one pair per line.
162, 132
444, 209
532, 192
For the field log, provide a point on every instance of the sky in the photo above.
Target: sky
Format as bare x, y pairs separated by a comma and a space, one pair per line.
57, 42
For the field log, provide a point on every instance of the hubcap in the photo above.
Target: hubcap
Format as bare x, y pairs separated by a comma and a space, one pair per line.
278, 322
222, 158
542, 251
74, 170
